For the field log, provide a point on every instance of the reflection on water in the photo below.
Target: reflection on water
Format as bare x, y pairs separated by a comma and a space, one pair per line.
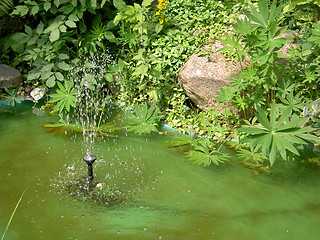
163, 196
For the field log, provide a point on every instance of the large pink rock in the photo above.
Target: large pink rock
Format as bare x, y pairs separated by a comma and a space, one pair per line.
201, 77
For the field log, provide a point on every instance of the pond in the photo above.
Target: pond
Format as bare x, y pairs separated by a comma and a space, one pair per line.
163, 197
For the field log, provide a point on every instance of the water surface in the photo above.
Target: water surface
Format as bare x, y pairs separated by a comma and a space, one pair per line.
164, 197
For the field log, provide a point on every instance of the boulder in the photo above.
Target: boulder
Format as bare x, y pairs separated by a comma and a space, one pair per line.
9, 77
201, 77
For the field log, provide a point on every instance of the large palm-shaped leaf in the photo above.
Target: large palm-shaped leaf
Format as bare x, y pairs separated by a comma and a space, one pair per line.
205, 153
65, 97
278, 134
143, 119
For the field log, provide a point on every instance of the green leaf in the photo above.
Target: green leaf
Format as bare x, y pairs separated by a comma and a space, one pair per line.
40, 28
141, 70
57, 3
146, 3
28, 30
109, 35
63, 28
59, 76
73, 17
103, 2
158, 28
109, 77
34, 10
71, 24
263, 119
64, 97
54, 35
20, 10
63, 56
82, 27
74, 3
264, 11
94, 4
226, 94
51, 81
120, 5
47, 6
252, 130
143, 120
63, 66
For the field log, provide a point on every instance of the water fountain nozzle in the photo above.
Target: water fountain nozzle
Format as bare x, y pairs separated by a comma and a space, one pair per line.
89, 159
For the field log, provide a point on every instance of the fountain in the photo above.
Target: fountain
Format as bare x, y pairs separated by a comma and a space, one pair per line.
89, 159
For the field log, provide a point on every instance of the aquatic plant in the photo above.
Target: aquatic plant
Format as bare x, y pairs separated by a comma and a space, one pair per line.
64, 98
13, 213
205, 152
142, 119
10, 97
278, 133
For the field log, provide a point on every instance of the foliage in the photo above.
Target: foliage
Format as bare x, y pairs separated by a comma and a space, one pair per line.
279, 133
255, 40
52, 36
306, 11
309, 59
11, 98
68, 128
64, 97
215, 124
254, 160
154, 56
182, 140
142, 119
205, 152
5, 6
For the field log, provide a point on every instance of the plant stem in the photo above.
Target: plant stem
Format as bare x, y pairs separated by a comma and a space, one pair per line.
13, 213
105, 102
226, 139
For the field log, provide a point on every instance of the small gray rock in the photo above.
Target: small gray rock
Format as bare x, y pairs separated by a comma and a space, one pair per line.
9, 77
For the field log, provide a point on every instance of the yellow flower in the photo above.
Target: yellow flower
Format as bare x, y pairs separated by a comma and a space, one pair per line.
160, 21
158, 13
166, 19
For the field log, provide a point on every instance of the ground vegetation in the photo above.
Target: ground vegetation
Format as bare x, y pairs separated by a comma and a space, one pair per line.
147, 42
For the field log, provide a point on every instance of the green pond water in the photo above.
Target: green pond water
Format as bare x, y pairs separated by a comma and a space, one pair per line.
163, 196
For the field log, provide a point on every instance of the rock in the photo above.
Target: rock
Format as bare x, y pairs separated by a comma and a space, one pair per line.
37, 93
9, 77
201, 77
